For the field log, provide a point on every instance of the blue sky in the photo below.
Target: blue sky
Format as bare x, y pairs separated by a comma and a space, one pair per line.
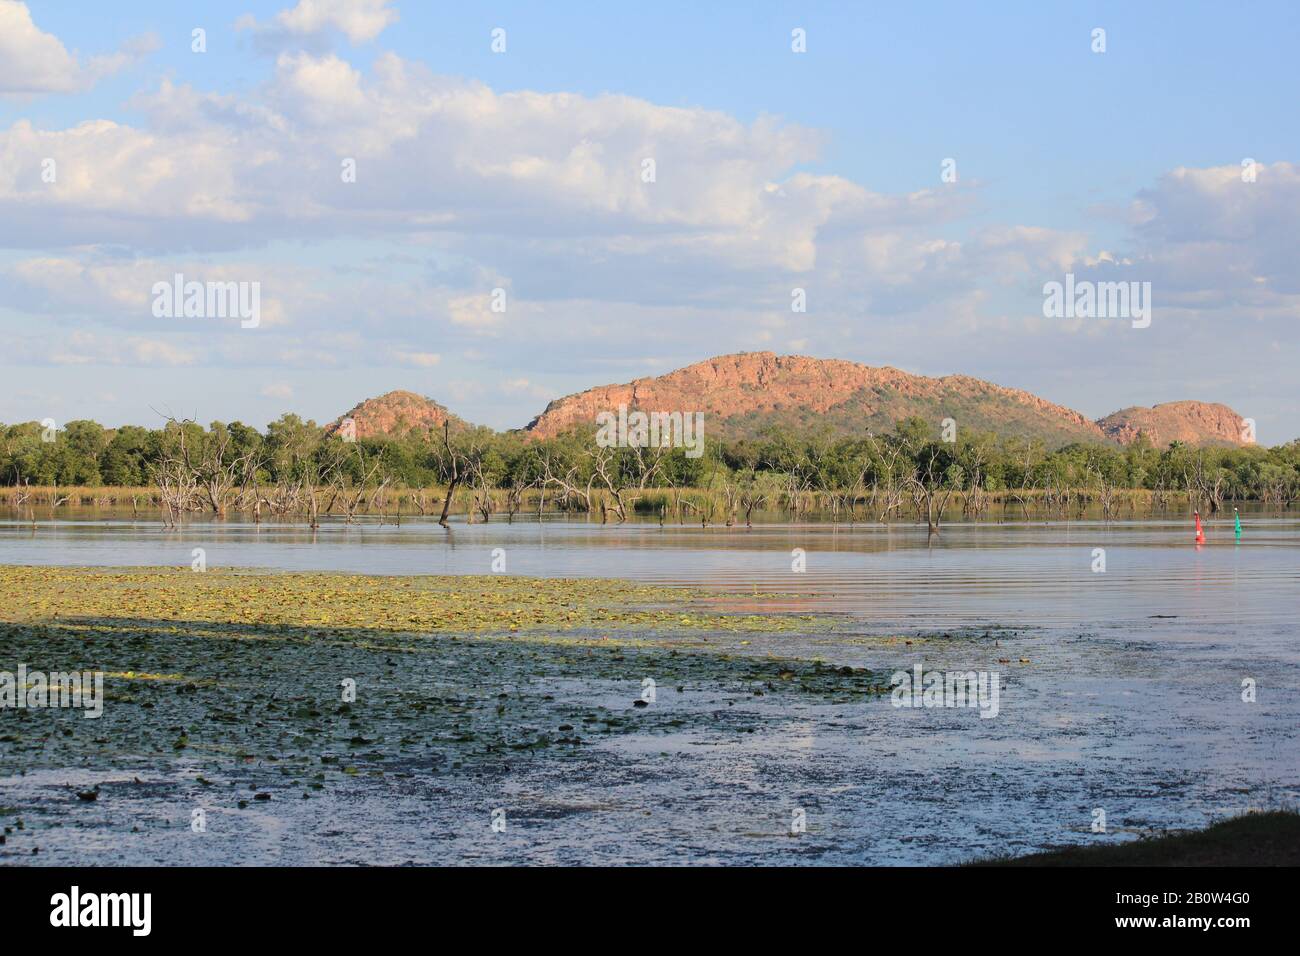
775, 170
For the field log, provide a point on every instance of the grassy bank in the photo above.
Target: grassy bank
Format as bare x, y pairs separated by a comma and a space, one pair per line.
80, 496
1255, 839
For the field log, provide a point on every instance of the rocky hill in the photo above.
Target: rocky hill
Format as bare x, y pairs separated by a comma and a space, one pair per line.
1194, 423
740, 394
396, 413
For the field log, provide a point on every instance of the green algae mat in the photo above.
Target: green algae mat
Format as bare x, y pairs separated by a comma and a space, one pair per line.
328, 603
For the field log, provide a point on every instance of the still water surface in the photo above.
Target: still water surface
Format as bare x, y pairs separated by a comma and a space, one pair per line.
1024, 573
1122, 691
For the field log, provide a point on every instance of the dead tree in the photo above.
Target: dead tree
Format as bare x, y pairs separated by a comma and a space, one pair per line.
454, 464
929, 487
353, 495
889, 456
515, 496
214, 477
606, 470
1026, 476
566, 479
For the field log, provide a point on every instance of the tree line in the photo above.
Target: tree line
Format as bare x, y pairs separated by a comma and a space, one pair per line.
296, 467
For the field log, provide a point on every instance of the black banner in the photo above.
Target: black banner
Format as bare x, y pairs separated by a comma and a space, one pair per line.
335, 906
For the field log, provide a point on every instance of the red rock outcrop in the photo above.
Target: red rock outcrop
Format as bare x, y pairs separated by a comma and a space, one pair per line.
740, 393
395, 413
743, 393
1193, 423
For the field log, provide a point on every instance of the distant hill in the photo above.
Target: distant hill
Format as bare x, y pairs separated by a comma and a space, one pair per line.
396, 413
743, 393
1194, 423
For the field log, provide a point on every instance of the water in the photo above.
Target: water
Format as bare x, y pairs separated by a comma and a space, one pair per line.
1123, 691
1024, 573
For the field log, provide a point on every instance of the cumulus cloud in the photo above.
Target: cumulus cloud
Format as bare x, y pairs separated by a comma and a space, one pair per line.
1213, 231
358, 20
35, 62
553, 185
432, 155
460, 189
1215, 246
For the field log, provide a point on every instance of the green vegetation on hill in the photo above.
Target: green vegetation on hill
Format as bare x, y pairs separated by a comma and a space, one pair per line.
885, 407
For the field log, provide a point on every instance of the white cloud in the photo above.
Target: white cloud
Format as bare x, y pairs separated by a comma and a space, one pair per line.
358, 20
475, 312
35, 62
433, 154
1205, 231
114, 181
418, 359
1214, 248
548, 184
121, 289
522, 386
461, 188
90, 348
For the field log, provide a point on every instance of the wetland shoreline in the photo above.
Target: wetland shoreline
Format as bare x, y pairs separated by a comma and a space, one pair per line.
608, 721
232, 686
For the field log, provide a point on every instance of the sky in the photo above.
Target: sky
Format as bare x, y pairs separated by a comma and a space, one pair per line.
620, 190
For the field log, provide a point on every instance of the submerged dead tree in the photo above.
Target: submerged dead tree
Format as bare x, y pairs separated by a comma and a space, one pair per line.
932, 486
453, 462
201, 471
890, 467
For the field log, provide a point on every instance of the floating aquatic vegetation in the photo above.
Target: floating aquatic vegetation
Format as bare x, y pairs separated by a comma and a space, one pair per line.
322, 604
219, 684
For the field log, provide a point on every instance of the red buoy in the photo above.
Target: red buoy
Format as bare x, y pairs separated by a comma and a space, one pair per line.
1200, 535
